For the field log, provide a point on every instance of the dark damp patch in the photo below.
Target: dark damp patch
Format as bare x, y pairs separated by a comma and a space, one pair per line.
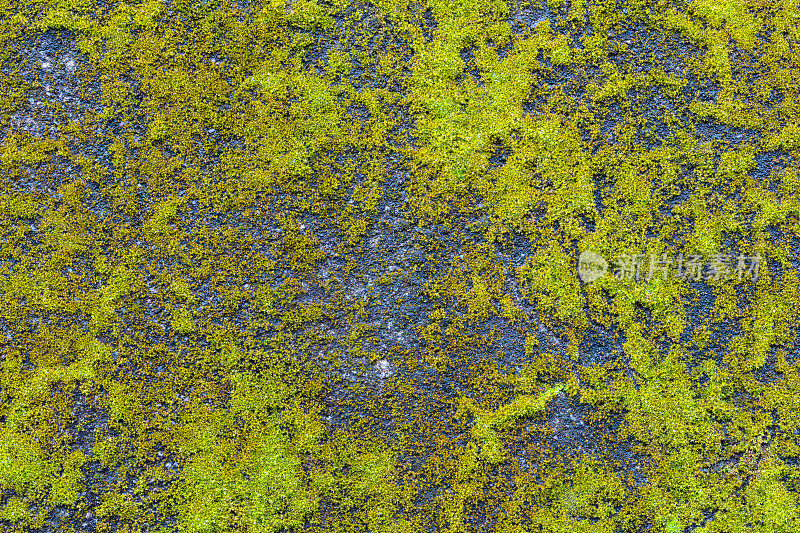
533, 106
768, 163
525, 19
601, 344
470, 67
709, 129
499, 157
430, 24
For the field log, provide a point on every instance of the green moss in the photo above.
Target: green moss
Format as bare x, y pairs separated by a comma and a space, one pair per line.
260, 486
561, 54
182, 321
487, 424
108, 451
508, 145
23, 206
25, 469
181, 288
118, 505
672, 525
15, 510
163, 213
739, 21
550, 278
277, 499
478, 300
121, 282
66, 487
593, 494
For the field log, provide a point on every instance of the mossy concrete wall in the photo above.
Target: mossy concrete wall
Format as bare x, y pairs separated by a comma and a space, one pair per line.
311, 265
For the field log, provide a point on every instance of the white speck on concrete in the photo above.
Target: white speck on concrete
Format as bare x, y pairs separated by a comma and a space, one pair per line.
385, 368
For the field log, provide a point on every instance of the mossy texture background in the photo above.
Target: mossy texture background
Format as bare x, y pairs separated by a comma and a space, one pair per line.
311, 265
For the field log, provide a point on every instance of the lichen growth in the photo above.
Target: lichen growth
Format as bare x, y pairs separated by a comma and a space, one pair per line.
282, 266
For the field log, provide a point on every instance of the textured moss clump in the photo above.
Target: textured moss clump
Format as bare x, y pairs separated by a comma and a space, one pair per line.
486, 424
